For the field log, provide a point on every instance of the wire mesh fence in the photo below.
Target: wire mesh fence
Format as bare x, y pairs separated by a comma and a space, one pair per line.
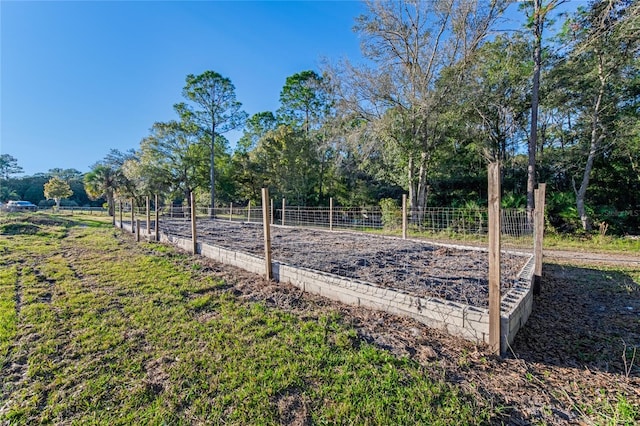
437, 223
412, 266
440, 223
469, 225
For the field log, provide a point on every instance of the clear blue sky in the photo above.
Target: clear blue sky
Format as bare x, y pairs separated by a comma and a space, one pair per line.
79, 78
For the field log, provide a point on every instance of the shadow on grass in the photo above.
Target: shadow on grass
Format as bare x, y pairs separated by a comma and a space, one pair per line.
585, 318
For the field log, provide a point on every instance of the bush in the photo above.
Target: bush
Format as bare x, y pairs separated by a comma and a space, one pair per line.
391, 213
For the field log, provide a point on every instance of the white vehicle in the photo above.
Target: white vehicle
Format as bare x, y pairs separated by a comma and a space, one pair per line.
18, 206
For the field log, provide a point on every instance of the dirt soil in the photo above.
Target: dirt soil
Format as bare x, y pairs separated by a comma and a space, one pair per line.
412, 267
565, 362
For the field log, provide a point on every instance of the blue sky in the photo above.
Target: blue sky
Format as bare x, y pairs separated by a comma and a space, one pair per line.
81, 77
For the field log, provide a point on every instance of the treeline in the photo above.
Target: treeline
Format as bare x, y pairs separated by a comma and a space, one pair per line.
438, 96
32, 188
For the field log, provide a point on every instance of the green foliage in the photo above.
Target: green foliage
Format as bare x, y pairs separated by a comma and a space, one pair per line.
31, 188
57, 189
561, 211
217, 112
9, 166
424, 121
513, 201
304, 101
391, 213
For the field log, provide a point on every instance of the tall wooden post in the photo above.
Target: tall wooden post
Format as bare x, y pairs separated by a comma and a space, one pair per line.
157, 224
538, 236
249, 211
266, 224
138, 230
271, 213
283, 210
120, 205
148, 215
404, 216
331, 214
132, 217
194, 235
494, 257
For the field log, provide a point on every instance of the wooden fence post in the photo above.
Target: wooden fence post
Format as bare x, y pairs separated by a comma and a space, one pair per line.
271, 214
138, 230
266, 224
157, 227
132, 217
538, 236
194, 235
331, 214
404, 216
494, 257
249, 211
283, 210
148, 205
120, 205
230, 212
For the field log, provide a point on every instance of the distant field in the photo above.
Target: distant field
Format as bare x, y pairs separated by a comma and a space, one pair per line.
95, 329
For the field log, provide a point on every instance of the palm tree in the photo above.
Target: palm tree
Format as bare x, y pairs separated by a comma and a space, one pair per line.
103, 181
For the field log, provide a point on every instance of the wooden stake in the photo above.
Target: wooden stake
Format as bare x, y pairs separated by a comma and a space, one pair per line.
538, 236
283, 210
120, 205
249, 211
230, 211
331, 214
132, 217
157, 227
148, 215
494, 257
138, 230
194, 235
404, 216
271, 214
266, 224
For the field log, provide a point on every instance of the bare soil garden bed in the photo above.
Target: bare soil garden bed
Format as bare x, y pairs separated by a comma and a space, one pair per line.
409, 266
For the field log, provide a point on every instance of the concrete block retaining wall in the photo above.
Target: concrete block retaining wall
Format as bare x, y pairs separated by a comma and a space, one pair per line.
457, 319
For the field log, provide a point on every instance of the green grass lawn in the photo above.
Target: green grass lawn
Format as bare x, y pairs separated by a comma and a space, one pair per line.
97, 330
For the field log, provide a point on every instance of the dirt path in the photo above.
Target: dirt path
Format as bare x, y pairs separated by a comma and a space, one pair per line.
613, 259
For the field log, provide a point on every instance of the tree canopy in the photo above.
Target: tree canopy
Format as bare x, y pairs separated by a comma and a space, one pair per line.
57, 189
439, 95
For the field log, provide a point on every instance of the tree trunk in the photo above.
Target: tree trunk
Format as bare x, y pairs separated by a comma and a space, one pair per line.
594, 146
413, 196
422, 186
321, 180
535, 90
110, 203
213, 173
